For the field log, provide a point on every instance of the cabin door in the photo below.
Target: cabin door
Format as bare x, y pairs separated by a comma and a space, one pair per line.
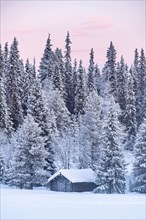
61, 186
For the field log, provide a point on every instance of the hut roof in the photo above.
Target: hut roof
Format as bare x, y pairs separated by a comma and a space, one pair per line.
75, 175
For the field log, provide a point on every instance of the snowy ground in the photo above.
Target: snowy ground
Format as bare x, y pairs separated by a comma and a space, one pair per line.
42, 204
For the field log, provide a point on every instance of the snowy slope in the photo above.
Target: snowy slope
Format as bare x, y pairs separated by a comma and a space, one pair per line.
42, 204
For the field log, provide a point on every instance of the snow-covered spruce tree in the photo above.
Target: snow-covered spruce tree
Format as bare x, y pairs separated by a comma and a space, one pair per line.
97, 79
6, 151
6, 52
37, 109
27, 81
121, 87
55, 103
136, 67
79, 92
139, 166
28, 162
1, 166
136, 59
111, 69
136, 89
57, 80
91, 74
130, 114
142, 85
5, 123
74, 81
61, 65
139, 74
7, 82
6, 63
111, 168
144, 105
13, 90
46, 67
89, 132
68, 75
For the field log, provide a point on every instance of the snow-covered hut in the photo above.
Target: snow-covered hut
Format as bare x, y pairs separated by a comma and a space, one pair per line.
72, 180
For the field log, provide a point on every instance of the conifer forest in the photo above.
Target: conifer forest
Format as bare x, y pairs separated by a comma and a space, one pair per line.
65, 116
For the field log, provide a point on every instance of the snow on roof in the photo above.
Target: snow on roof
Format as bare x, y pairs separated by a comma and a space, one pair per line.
75, 175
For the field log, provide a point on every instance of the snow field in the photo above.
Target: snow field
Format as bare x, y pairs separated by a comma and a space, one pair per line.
42, 204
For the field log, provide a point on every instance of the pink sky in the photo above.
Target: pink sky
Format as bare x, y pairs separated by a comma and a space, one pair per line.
90, 23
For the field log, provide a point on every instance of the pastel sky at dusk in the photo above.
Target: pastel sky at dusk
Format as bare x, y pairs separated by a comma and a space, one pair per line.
90, 23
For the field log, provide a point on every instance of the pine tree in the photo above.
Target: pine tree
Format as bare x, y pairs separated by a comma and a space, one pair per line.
6, 151
79, 92
68, 75
37, 109
6, 62
91, 74
14, 100
130, 114
111, 69
74, 82
121, 87
142, 85
29, 156
139, 168
136, 60
89, 132
47, 65
139, 84
5, 123
7, 83
61, 66
97, 79
111, 169
56, 104
136, 86
57, 80
27, 81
